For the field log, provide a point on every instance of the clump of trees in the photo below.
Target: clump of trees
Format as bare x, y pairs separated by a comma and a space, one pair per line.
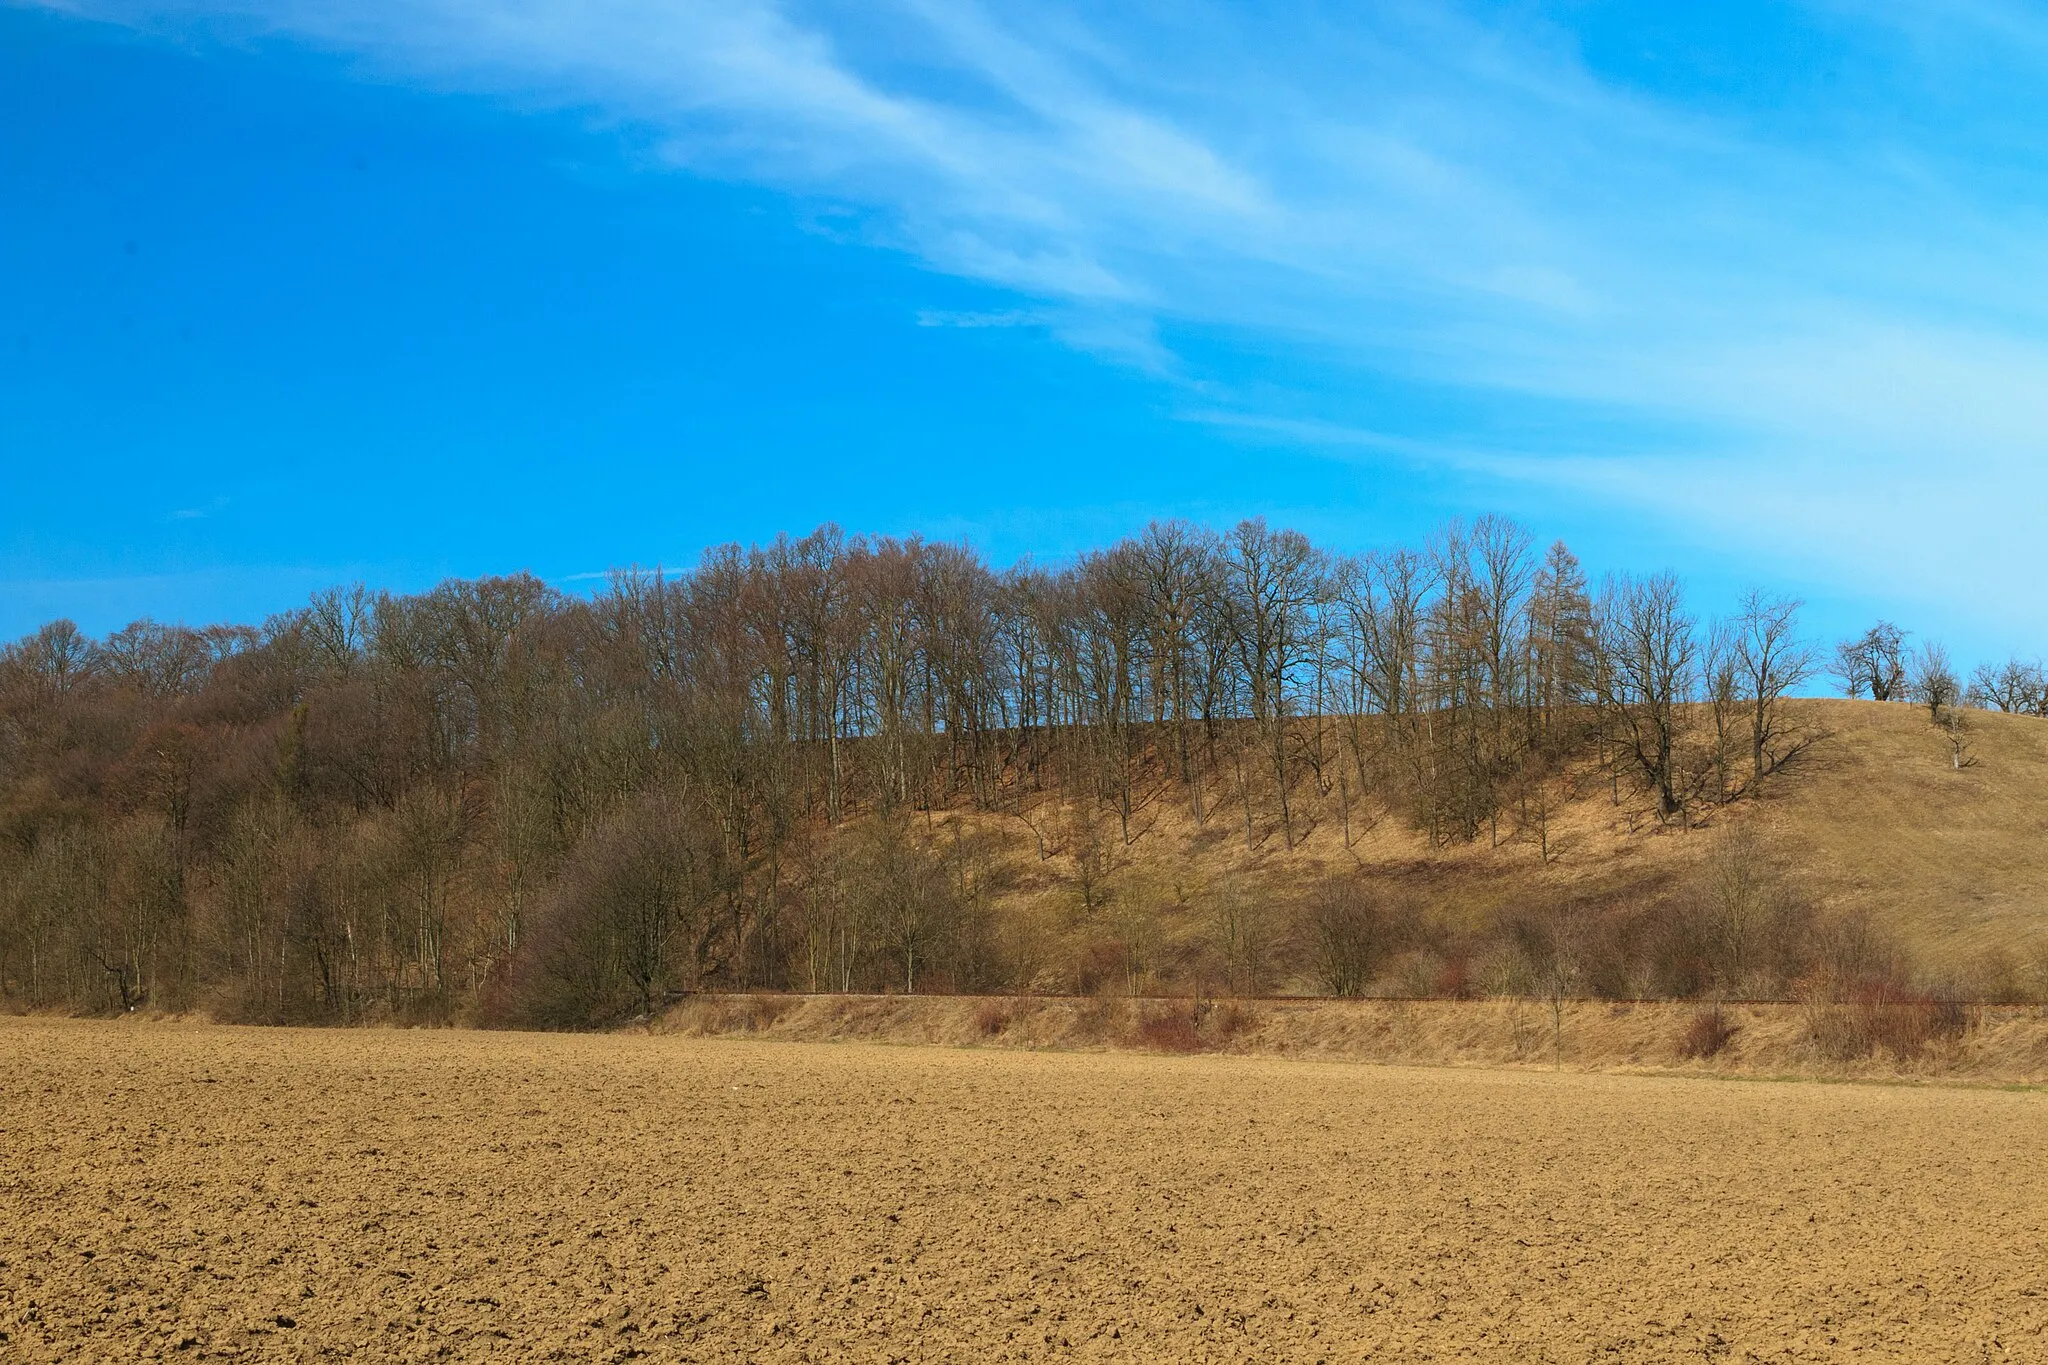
1880, 665
494, 800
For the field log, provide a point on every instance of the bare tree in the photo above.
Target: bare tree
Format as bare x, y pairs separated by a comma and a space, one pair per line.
1241, 938
1772, 661
1377, 621
1552, 940
1503, 579
1873, 664
53, 660
1177, 568
1348, 936
1954, 725
1649, 647
1933, 682
1272, 588
338, 621
1721, 679
1750, 921
159, 661
2013, 686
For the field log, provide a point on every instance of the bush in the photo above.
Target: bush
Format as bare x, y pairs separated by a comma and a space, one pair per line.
1347, 936
1232, 1018
1858, 1018
992, 1018
615, 938
1710, 1031
1097, 1018
1174, 1031
1735, 926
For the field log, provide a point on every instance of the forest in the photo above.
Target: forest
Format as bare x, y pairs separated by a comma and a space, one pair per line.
800, 766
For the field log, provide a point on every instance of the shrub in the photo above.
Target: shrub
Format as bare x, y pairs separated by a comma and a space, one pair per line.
1174, 1031
1857, 1018
1710, 1031
1347, 936
1096, 1018
1102, 965
1232, 1018
992, 1018
761, 1012
614, 938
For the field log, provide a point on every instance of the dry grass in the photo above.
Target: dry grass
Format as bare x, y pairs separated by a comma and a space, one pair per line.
198, 1193
1858, 1038
1952, 861
1871, 818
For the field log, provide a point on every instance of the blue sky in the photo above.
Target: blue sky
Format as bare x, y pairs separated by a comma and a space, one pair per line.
314, 290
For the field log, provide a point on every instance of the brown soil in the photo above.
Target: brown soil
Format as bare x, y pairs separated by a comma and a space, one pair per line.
194, 1192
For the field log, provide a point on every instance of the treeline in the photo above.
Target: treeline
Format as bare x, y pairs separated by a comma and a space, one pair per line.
786, 769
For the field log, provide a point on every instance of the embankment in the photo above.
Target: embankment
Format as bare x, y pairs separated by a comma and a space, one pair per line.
1858, 1040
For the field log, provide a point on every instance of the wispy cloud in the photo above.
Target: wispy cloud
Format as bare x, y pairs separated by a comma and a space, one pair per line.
1825, 304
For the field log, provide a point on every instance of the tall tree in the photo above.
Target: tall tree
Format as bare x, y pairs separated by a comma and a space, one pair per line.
1772, 661
1649, 646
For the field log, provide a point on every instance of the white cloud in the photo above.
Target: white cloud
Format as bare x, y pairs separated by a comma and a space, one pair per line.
1843, 299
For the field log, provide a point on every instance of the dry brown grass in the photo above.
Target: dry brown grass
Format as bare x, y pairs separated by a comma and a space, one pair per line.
1954, 862
1871, 818
1856, 1036
197, 1193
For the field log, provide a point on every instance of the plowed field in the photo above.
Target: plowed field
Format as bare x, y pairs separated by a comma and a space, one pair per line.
184, 1193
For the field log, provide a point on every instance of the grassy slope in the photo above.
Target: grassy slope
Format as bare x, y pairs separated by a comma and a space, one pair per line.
1955, 862
1872, 815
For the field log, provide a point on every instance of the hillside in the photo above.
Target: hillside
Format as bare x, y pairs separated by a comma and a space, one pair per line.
1872, 819
1199, 765
1954, 862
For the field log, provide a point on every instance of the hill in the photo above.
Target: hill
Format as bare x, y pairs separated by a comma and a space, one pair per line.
1874, 821
1194, 763
1951, 860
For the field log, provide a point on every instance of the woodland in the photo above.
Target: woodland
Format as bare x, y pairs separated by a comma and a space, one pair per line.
836, 763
